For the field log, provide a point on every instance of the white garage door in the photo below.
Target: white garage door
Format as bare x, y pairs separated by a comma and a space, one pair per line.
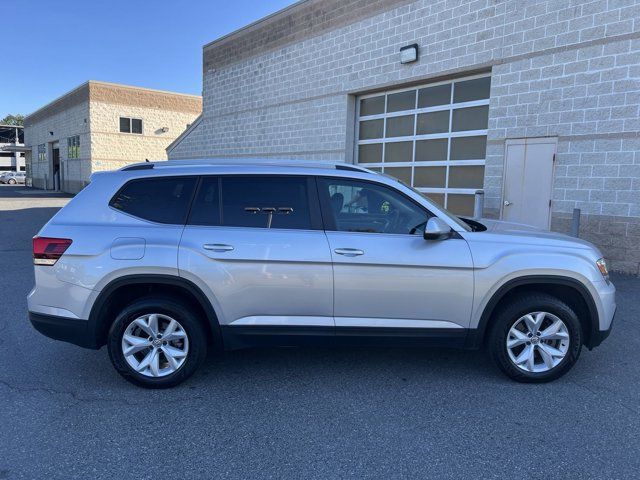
432, 137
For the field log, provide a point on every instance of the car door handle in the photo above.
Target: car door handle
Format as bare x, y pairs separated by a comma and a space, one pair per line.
217, 247
349, 252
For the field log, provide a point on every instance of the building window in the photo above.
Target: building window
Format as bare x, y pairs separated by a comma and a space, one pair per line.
432, 137
42, 153
73, 147
130, 125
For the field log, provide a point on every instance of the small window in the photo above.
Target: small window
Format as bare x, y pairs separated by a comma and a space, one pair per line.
370, 153
398, 152
125, 125
206, 206
136, 125
130, 125
470, 90
159, 199
366, 207
266, 202
400, 126
42, 153
73, 147
434, 96
397, 102
371, 129
372, 106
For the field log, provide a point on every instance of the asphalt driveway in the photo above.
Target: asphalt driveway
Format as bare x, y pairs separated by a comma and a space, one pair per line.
295, 413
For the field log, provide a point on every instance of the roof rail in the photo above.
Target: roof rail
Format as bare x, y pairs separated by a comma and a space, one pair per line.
138, 166
246, 162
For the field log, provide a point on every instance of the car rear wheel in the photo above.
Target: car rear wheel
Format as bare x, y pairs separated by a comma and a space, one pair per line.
536, 338
157, 343
11, 181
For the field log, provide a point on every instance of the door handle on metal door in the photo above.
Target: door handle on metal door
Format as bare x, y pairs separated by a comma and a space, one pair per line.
507, 203
349, 252
217, 247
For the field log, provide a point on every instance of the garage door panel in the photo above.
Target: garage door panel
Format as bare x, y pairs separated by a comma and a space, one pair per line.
437, 131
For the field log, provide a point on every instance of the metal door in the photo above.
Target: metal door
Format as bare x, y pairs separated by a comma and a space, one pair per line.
528, 180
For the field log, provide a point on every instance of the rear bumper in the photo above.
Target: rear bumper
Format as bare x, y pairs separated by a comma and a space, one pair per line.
70, 330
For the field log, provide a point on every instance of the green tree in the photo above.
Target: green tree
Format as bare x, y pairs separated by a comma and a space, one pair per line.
13, 120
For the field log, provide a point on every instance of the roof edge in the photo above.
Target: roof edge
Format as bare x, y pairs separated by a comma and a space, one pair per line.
88, 83
184, 134
57, 99
144, 89
247, 28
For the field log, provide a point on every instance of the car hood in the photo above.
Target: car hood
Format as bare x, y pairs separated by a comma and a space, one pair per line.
528, 234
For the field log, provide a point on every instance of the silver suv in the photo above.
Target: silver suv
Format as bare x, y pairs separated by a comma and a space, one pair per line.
163, 261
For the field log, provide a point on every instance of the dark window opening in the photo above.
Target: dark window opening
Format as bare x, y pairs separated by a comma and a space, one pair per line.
130, 125
266, 202
206, 206
162, 200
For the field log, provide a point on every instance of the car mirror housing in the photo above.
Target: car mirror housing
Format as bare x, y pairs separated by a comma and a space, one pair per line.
436, 229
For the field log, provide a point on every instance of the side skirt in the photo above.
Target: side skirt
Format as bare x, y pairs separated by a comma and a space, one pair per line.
236, 337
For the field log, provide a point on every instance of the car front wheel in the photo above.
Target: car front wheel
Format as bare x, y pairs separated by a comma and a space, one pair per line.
536, 338
157, 343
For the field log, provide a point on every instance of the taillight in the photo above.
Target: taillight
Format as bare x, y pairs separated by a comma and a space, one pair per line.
47, 251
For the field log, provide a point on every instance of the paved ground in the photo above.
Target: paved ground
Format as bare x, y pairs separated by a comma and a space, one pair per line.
64, 413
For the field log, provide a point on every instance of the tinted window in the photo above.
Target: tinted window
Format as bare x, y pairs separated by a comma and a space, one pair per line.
162, 200
265, 202
136, 125
206, 206
125, 125
366, 207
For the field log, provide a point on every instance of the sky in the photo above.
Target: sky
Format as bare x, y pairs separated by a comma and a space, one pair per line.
52, 46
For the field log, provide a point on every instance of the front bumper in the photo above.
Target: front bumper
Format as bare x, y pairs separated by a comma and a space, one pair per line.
70, 330
599, 336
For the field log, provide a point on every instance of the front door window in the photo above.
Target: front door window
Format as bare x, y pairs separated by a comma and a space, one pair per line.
358, 206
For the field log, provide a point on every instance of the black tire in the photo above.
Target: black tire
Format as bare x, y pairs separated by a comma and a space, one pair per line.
173, 308
11, 181
515, 309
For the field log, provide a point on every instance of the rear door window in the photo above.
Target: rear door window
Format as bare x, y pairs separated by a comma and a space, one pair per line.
266, 202
159, 199
206, 205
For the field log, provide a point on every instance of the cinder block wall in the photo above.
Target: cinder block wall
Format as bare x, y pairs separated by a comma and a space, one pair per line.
285, 87
93, 112
111, 149
69, 119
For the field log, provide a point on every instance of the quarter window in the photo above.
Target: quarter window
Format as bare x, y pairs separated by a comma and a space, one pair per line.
265, 202
160, 199
433, 137
130, 125
370, 208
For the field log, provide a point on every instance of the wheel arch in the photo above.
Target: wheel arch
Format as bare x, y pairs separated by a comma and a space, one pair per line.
120, 291
567, 289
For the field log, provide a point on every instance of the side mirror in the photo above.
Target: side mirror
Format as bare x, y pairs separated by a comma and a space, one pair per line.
436, 229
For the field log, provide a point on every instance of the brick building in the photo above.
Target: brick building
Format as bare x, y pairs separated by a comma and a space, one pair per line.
102, 126
536, 102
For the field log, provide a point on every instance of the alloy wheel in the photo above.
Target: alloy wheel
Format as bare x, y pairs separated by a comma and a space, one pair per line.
155, 345
537, 342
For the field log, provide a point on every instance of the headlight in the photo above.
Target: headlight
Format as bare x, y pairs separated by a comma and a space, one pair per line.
602, 266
